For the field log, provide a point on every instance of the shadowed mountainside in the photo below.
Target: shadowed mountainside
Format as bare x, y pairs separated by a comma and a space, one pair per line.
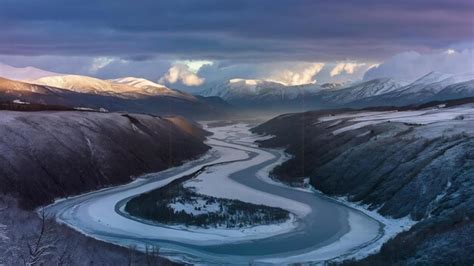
48, 155
418, 163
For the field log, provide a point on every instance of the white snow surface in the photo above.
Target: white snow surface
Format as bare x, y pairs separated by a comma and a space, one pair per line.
138, 82
126, 87
23, 73
17, 101
199, 206
419, 117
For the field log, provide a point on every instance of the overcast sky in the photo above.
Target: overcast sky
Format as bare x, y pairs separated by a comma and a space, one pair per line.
194, 43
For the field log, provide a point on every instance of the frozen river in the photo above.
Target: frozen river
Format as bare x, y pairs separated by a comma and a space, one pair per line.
321, 228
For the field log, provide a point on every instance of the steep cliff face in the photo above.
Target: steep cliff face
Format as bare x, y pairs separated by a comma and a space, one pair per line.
48, 155
418, 163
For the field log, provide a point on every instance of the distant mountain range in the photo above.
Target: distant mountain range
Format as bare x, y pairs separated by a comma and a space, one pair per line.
128, 95
260, 94
133, 94
433, 86
127, 88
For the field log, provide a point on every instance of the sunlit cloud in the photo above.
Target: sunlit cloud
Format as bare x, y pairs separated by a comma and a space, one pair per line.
100, 62
348, 68
180, 72
298, 75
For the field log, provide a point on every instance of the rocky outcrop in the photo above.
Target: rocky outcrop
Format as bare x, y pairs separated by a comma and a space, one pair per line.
416, 163
48, 155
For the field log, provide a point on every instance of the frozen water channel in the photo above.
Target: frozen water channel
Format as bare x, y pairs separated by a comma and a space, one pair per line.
320, 228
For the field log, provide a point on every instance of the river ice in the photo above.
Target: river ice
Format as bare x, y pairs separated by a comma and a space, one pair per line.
100, 214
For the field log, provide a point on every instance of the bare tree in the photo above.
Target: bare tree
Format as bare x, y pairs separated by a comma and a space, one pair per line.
152, 253
63, 256
130, 255
43, 248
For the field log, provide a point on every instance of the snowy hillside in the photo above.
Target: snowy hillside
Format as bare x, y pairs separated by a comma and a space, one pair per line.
382, 91
95, 150
462, 89
23, 73
259, 90
139, 83
83, 84
93, 93
151, 88
128, 88
433, 86
360, 91
434, 82
416, 164
13, 87
253, 92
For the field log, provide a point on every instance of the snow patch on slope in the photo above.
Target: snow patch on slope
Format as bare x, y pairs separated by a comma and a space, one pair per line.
419, 117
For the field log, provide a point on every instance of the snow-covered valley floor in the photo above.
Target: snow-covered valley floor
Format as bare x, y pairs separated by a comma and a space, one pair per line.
319, 229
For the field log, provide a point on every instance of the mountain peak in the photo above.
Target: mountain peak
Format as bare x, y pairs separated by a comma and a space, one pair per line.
27, 73
128, 87
137, 82
443, 78
78, 83
431, 77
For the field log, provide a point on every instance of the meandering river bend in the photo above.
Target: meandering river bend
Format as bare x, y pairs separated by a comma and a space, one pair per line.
325, 231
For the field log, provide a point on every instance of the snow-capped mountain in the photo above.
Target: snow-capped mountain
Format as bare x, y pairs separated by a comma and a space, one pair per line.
251, 90
430, 87
151, 88
360, 90
84, 84
262, 94
434, 82
257, 91
438, 77
89, 93
130, 88
19, 88
23, 73
457, 90
139, 83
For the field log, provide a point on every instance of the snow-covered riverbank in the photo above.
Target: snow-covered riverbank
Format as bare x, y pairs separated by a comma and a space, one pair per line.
330, 229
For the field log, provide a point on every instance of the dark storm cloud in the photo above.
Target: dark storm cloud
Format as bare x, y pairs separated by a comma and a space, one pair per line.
234, 30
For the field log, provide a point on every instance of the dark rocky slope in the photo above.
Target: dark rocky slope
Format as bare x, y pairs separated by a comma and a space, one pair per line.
421, 165
48, 155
